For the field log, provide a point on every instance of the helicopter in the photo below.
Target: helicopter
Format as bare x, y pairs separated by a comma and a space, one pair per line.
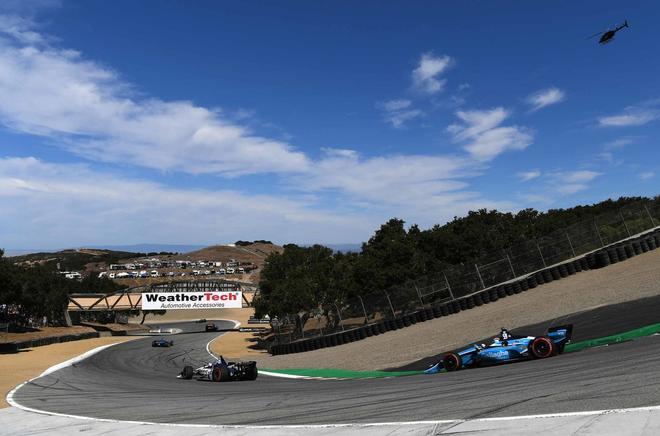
608, 35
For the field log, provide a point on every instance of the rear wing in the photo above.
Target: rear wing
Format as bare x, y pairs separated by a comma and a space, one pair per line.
561, 332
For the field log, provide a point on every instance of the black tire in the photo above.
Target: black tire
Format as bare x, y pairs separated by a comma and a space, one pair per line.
547, 276
252, 372
485, 296
452, 362
444, 309
621, 253
644, 245
524, 285
650, 241
563, 271
531, 282
584, 263
477, 300
629, 250
612, 254
540, 278
220, 374
501, 291
462, 303
508, 289
637, 248
570, 268
187, 373
516, 288
602, 259
437, 312
542, 347
554, 271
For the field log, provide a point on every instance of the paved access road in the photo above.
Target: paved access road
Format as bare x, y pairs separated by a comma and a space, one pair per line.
132, 381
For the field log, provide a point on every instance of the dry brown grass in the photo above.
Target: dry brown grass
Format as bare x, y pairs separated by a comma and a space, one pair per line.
44, 332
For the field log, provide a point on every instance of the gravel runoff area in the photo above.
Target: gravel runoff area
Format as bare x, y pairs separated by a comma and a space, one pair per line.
635, 278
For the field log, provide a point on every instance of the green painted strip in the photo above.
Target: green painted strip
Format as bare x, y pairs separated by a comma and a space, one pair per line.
341, 373
621, 337
576, 346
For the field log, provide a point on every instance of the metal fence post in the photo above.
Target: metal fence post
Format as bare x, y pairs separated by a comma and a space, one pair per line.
511, 266
419, 294
650, 216
480, 279
341, 322
570, 244
624, 223
390, 301
602, 244
366, 318
541, 253
451, 294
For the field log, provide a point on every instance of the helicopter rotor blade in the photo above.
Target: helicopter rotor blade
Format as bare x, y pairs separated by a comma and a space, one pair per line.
595, 35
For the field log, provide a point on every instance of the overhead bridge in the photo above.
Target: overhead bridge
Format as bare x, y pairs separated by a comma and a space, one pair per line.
131, 298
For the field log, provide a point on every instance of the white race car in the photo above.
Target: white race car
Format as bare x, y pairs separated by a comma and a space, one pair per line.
221, 371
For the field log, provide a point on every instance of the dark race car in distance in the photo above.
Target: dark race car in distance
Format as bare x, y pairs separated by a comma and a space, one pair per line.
211, 327
162, 343
507, 348
221, 371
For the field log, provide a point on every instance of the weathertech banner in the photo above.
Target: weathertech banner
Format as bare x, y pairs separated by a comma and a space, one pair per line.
191, 300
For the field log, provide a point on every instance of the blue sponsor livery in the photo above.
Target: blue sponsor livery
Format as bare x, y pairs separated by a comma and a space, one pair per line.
507, 348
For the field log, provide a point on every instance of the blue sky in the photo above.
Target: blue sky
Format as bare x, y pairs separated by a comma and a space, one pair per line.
207, 122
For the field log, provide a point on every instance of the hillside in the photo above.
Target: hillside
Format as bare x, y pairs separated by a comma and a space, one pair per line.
74, 259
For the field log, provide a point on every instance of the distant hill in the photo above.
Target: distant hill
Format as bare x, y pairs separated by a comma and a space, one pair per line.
151, 248
255, 253
74, 260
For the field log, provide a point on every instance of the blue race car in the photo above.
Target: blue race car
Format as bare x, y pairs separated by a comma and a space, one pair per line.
161, 343
507, 348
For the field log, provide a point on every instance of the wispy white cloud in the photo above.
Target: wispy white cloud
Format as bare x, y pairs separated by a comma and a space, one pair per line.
546, 97
647, 175
426, 76
399, 112
618, 143
483, 136
571, 182
74, 202
93, 113
526, 176
632, 116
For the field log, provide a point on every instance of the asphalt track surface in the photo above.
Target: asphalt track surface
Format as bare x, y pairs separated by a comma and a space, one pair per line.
133, 381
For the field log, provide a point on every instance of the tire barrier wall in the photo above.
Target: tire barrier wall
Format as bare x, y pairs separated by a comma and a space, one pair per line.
618, 252
12, 347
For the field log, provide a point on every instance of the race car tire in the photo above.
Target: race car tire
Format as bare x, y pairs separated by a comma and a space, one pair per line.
252, 372
187, 373
452, 362
220, 374
542, 347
